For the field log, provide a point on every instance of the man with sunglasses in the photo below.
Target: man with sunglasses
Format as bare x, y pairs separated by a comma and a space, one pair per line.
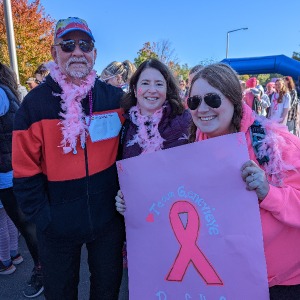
64, 149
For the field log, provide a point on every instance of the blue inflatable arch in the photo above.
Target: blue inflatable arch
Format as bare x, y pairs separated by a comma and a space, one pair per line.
281, 64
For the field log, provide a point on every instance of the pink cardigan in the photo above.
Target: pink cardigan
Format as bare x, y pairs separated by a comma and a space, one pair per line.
280, 210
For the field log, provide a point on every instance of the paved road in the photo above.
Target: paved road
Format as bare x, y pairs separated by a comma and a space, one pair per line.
11, 286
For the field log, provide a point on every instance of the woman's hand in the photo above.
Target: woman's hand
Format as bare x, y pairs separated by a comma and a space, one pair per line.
120, 203
255, 179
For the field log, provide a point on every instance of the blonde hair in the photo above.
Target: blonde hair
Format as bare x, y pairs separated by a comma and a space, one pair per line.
283, 90
126, 69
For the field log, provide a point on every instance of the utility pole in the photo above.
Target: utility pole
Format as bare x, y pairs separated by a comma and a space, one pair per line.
227, 40
10, 37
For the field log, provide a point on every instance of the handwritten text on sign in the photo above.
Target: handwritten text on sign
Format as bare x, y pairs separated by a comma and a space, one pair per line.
217, 254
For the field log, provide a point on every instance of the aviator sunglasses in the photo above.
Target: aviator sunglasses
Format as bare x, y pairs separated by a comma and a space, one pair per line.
70, 45
211, 99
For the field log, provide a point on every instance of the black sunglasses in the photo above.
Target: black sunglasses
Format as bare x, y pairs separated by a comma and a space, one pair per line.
211, 99
70, 45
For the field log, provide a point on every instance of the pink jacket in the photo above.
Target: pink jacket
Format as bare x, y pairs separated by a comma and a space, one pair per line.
248, 98
280, 210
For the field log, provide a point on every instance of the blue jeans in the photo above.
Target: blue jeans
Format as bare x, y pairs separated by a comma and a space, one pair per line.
291, 126
60, 259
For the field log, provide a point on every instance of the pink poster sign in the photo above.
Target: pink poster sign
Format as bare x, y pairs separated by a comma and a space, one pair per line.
193, 230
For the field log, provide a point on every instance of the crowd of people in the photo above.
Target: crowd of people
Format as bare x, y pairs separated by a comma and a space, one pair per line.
278, 101
58, 178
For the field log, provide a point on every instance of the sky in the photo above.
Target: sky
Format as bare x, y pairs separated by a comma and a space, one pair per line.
196, 29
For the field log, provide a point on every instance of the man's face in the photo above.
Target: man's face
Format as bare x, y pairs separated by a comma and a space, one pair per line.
32, 84
76, 64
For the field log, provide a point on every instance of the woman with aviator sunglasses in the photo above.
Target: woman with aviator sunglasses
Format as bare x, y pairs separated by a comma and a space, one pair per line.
273, 173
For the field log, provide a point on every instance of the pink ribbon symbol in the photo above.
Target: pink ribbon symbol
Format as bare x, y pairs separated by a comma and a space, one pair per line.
189, 251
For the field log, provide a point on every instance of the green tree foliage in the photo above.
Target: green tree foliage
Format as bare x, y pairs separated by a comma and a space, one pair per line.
148, 51
264, 78
164, 51
161, 50
244, 77
181, 71
33, 31
296, 55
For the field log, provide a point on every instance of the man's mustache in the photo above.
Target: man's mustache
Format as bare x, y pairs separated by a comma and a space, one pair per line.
76, 60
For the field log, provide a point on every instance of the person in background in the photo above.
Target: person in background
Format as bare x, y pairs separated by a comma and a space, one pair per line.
251, 96
265, 100
22, 92
9, 255
32, 82
65, 176
248, 95
270, 89
273, 174
183, 90
280, 103
243, 86
9, 105
155, 116
293, 112
118, 74
251, 83
41, 72
187, 84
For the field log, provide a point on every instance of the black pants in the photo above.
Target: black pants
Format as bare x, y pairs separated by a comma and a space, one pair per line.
60, 259
285, 292
26, 228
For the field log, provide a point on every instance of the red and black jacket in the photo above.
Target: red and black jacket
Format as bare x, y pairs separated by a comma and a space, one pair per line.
68, 195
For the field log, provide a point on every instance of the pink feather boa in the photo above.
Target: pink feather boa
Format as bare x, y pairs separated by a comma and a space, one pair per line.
272, 146
73, 124
148, 136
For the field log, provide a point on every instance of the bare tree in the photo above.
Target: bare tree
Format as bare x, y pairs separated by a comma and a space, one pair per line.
165, 52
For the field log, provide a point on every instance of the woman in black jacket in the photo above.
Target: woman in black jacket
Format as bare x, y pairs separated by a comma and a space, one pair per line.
8, 84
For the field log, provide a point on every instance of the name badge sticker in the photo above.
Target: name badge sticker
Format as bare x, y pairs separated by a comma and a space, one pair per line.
104, 127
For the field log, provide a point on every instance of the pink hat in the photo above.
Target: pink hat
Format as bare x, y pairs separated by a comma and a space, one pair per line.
64, 26
251, 82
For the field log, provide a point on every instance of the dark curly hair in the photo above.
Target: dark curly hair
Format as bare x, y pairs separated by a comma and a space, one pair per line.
9, 79
223, 78
173, 98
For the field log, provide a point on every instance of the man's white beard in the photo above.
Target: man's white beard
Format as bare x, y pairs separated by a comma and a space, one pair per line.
76, 74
